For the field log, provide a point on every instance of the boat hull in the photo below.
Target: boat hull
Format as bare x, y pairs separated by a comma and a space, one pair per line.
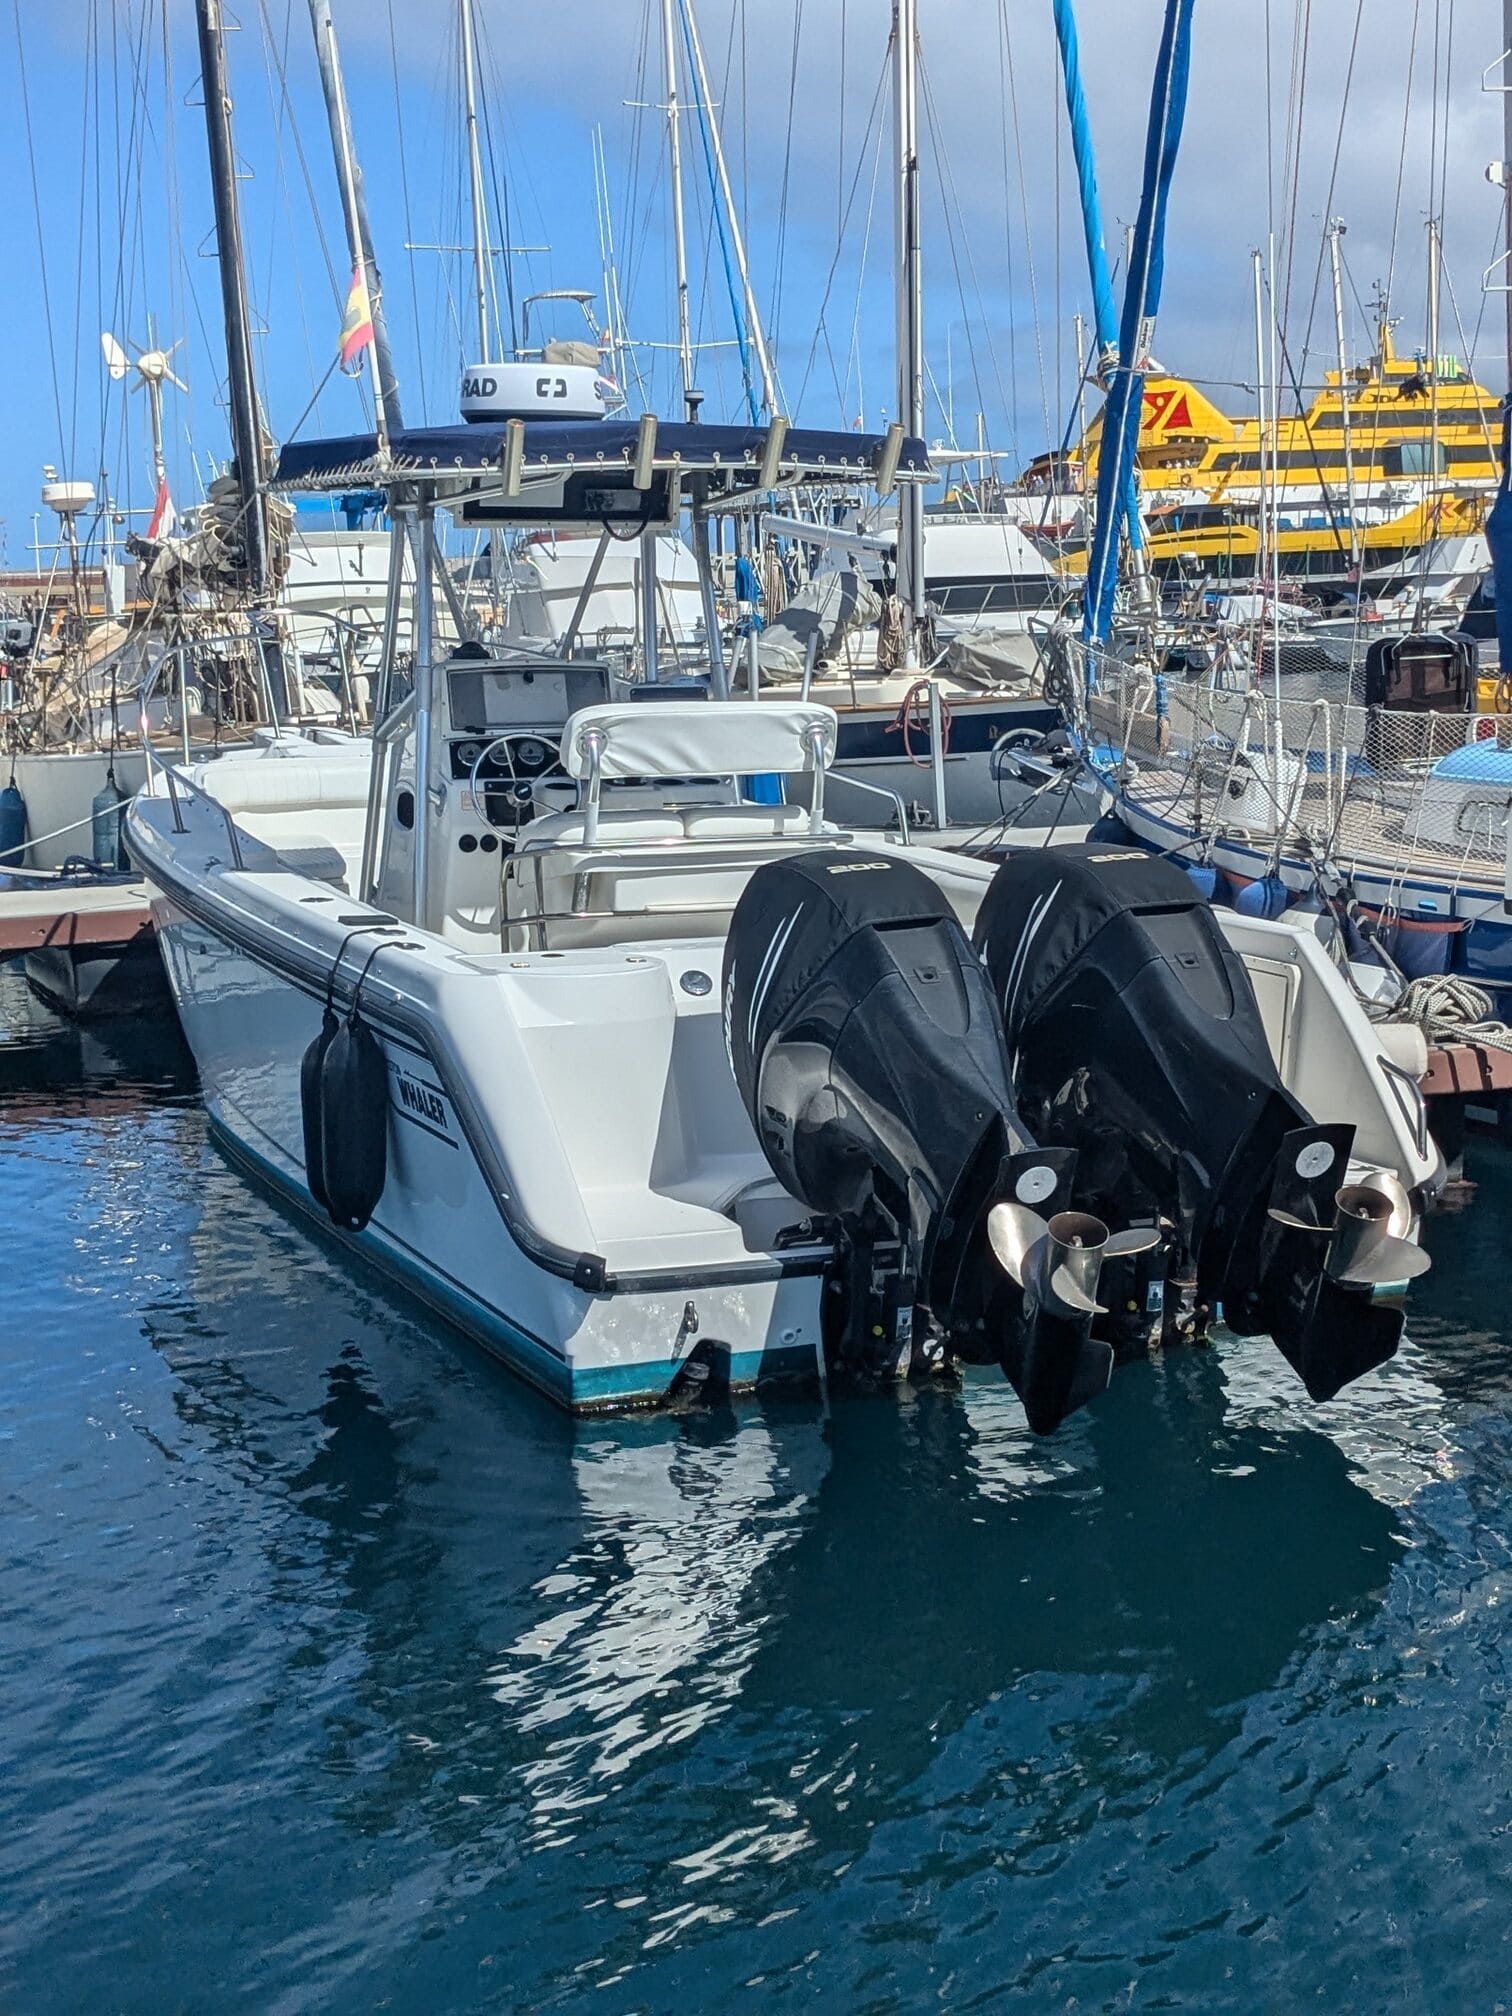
1438, 925
871, 748
438, 1230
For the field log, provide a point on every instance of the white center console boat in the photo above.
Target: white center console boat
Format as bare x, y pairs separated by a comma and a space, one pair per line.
647, 1086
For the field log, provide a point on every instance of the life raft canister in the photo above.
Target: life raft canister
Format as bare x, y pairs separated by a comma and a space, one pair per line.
12, 826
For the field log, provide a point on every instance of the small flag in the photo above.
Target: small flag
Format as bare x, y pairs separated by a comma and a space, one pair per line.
356, 324
164, 519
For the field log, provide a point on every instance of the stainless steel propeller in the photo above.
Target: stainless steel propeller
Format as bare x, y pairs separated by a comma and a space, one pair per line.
1363, 1251
1058, 1262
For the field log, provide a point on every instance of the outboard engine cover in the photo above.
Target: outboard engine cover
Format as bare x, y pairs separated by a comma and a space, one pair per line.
1136, 1040
870, 1057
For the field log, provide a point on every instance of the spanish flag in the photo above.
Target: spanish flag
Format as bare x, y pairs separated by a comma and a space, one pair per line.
356, 324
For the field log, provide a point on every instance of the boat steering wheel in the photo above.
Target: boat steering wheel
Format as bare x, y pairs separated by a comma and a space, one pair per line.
518, 784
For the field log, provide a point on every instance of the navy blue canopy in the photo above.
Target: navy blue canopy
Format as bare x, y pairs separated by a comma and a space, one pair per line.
682, 447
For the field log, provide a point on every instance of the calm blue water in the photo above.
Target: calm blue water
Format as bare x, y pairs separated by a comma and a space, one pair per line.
337, 1673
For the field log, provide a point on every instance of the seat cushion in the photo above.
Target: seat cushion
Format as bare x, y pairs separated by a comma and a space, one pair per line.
675, 822
751, 822
266, 782
638, 888
565, 829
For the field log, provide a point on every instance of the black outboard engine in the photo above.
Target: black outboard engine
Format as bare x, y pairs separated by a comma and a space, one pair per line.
870, 1057
1136, 1040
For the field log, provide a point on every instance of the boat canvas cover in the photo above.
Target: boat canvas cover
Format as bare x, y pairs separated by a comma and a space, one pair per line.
465, 449
689, 738
1039, 919
794, 918
829, 607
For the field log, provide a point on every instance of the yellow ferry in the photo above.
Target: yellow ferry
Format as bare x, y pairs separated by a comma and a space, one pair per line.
1415, 424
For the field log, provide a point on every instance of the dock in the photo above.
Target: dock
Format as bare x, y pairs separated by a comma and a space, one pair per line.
62, 913
1468, 1087
87, 946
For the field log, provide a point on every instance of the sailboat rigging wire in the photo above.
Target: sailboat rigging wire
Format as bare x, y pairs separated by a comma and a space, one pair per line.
1469, 345
404, 191
1292, 171
855, 354
498, 175
955, 216
1396, 209
631, 238
840, 121
1005, 51
1333, 181
820, 327
31, 156
780, 257
282, 112
731, 240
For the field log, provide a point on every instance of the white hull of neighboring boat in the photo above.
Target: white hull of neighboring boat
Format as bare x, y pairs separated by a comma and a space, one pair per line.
548, 572
1419, 903
59, 787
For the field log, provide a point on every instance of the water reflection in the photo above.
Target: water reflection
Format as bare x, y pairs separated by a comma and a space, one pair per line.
53, 1070
346, 1659
578, 1604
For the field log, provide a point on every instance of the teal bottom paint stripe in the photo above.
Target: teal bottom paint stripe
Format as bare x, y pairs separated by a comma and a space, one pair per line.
576, 1389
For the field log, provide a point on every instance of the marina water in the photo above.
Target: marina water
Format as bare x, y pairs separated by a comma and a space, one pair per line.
337, 1672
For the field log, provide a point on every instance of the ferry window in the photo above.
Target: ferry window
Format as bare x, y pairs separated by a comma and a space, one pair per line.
1413, 458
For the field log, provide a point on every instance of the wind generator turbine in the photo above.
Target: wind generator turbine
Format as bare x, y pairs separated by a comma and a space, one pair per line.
152, 368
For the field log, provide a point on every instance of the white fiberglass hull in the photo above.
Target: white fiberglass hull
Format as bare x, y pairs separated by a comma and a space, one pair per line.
452, 1224
1436, 908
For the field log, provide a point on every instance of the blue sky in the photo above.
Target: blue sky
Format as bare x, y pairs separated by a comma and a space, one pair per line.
125, 214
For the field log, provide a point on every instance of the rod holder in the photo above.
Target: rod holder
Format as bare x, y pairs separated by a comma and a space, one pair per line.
514, 456
771, 453
889, 454
645, 452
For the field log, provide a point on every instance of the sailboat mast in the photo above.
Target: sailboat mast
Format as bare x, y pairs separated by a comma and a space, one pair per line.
1434, 290
246, 427
1335, 233
475, 176
1262, 555
354, 210
679, 237
1507, 175
910, 314
154, 386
